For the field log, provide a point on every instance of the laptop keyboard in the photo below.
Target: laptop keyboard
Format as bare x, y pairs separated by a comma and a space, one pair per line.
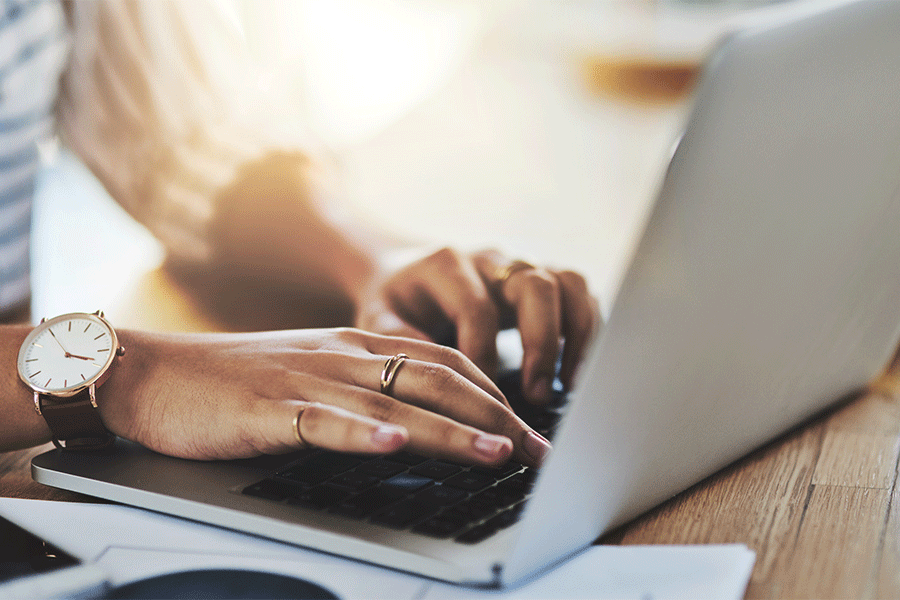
405, 491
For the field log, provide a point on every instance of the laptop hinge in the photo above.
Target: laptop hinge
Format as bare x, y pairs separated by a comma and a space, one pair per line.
497, 570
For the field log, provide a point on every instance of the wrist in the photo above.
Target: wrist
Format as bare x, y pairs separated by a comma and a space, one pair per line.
361, 284
282, 219
118, 397
64, 361
21, 426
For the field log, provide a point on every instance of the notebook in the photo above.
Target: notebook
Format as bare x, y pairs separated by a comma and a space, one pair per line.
765, 288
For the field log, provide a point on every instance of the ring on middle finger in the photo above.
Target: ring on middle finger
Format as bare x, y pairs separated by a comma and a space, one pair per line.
505, 272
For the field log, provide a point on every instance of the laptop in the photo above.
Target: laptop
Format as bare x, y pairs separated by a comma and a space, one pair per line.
765, 288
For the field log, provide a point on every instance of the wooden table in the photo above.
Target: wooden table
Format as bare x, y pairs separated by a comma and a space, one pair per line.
820, 506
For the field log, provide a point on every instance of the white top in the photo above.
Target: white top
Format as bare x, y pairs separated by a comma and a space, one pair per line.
164, 100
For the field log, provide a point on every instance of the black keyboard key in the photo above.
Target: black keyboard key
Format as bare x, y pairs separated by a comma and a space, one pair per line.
320, 497
403, 513
406, 483
331, 462
353, 509
406, 458
436, 470
512, 490
441, 526
353, 481
469, 511
543, 422
504, 519
271, 489
439, 495
366, 503
515, 484
300, 474
492, 498
319, 467
471, 482
381, 468
500, 472
477, 534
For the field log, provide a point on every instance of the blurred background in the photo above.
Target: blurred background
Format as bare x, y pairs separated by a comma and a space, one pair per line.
541, 127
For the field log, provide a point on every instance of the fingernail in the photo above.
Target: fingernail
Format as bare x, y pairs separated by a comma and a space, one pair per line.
388, 437
536, 447
541, 388
493, 447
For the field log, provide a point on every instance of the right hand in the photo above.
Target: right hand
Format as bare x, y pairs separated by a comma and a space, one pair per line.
451, 291
224, 396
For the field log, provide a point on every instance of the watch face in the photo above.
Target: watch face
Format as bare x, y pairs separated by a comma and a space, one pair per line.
67, 353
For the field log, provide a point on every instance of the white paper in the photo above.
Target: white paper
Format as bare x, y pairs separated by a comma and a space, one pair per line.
132, 544
638, 572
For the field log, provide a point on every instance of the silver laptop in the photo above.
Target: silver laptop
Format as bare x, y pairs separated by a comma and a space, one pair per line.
765, 288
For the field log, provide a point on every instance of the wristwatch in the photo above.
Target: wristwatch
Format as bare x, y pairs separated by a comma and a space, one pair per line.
64, 360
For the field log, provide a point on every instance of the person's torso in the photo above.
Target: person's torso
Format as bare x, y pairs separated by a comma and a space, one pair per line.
33, 52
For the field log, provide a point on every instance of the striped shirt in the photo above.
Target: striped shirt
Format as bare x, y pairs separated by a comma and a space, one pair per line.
33, 50
164, 100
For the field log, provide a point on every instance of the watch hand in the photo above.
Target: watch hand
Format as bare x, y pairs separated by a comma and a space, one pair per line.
59, 342
68, 355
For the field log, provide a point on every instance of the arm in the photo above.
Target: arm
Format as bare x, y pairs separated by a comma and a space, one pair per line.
20, 426
161, 127
274, 220
220, 396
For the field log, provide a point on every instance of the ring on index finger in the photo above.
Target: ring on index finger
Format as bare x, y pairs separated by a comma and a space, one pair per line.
389, 371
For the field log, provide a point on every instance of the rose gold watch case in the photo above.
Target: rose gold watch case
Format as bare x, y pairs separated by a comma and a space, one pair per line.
92, 382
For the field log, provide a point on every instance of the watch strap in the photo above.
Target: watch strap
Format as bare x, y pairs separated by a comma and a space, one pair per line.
75, 421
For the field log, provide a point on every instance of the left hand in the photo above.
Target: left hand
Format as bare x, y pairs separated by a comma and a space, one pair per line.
449, 292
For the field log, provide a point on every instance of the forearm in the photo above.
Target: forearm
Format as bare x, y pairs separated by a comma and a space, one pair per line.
20, 425
279, 220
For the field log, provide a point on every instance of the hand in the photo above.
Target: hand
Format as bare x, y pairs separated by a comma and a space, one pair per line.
222, 396
447, 292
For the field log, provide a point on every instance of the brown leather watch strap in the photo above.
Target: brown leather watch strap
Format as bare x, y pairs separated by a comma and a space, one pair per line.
76, 422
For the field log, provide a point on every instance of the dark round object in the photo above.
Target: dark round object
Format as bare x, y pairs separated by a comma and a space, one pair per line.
222, 583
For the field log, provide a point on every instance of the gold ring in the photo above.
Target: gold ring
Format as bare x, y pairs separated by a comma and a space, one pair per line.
504, 273
390, 369
297, 435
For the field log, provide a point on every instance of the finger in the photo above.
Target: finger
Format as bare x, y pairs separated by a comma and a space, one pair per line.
581, 314
439, 389
455, 285
428, 429
535, 296
334, 428
430, 434
433, 353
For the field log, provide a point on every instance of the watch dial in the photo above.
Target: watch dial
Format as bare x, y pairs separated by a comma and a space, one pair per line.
66, 353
